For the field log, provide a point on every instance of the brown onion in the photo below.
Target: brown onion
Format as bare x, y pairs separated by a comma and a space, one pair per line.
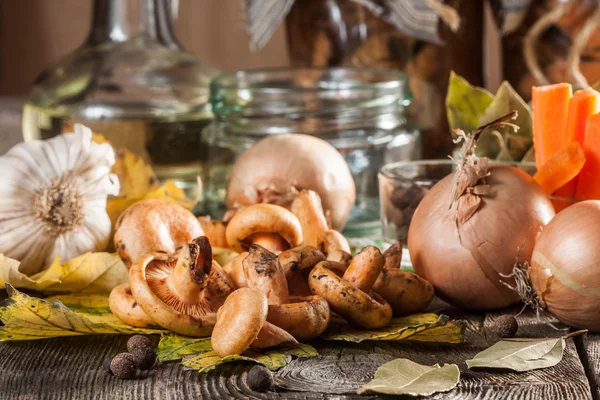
274, 169
463, 259
565, 267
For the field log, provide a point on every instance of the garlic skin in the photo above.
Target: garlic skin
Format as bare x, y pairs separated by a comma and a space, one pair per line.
53, 200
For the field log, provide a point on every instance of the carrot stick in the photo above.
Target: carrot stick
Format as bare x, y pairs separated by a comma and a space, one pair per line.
588, 184
561, 168
550, 113
584, 103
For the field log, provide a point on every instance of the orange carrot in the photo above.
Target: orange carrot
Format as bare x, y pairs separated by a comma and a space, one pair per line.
561, 168
584, 103
588, 184
550, 112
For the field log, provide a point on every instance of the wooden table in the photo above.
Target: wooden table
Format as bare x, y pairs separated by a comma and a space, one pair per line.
72, 367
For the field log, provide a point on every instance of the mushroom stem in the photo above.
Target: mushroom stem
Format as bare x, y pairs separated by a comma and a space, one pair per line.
263, 271
299, 258
393, 256
365, 268
270, 241
188, 278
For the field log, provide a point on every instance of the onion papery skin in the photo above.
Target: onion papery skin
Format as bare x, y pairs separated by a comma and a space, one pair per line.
302, 161
464, 263
565, 267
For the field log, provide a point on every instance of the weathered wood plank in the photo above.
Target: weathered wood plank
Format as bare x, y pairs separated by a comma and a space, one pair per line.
589, 347
71, 368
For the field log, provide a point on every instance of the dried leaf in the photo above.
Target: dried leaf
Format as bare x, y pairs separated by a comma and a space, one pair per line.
401, 328
466, 206
197, 354
516, 144
138, 182
465, 104
405, 377
520, 355
29, 318
90, 273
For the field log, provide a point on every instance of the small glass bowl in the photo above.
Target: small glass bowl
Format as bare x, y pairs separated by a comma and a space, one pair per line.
402, 186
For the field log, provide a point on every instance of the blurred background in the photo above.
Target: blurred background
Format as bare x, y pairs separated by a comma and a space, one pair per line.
35, 33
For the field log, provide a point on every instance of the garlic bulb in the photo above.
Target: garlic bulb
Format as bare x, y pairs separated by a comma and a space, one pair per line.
53, 200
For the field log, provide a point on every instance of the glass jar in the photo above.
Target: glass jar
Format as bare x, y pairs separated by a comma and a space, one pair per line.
360, 33
132, 82
360, 111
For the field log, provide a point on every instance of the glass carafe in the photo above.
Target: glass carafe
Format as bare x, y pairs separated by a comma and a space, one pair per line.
131, 81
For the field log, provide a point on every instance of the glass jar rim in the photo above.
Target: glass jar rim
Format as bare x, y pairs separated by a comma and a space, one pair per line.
246, 79
388, 170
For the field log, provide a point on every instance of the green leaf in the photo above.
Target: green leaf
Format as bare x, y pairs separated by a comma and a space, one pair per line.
198, 355
88, 273
29, 318
400, 328
405, 377
465, 104
520, 355
505, 144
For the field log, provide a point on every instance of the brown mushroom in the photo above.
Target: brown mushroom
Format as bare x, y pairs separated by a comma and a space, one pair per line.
365, 267
241, 323
273, 226
181, 292
235, 270
304, 318
331, 240
214, 230
309, 210
296, 264
364, 309
406, 292
154, 226
340, 256
123, 306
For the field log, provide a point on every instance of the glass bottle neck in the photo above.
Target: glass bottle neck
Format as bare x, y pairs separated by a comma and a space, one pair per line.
122, 20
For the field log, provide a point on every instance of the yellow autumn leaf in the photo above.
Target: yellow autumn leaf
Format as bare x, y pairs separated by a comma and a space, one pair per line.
399, 328
88, 273
30, 318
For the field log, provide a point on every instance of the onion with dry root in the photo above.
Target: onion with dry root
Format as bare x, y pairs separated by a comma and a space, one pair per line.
473, 224
274, 169
565, 267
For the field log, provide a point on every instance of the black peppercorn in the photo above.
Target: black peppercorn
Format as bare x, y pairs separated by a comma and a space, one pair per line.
138, 341
123, 366
505, 326
144, 357
259, 378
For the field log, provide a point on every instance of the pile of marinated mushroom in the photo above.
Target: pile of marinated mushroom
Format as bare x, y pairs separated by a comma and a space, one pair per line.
290, 274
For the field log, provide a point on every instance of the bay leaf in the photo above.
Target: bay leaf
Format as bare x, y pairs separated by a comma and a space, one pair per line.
465, 103
515, 144
405, 377
197, 354
89, 273
399, 328
30, 318
520, 355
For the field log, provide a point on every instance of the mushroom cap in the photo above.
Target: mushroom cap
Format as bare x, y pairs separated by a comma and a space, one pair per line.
369, 311
148, 277
123, 306
262, 218
154, 225
304, 318
406, 292
240, 319
299, 258
332, 240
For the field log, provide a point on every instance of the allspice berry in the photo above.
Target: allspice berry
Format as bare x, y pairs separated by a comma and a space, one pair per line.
259, 378
144, 357
138, 341
505, 326
123, 366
